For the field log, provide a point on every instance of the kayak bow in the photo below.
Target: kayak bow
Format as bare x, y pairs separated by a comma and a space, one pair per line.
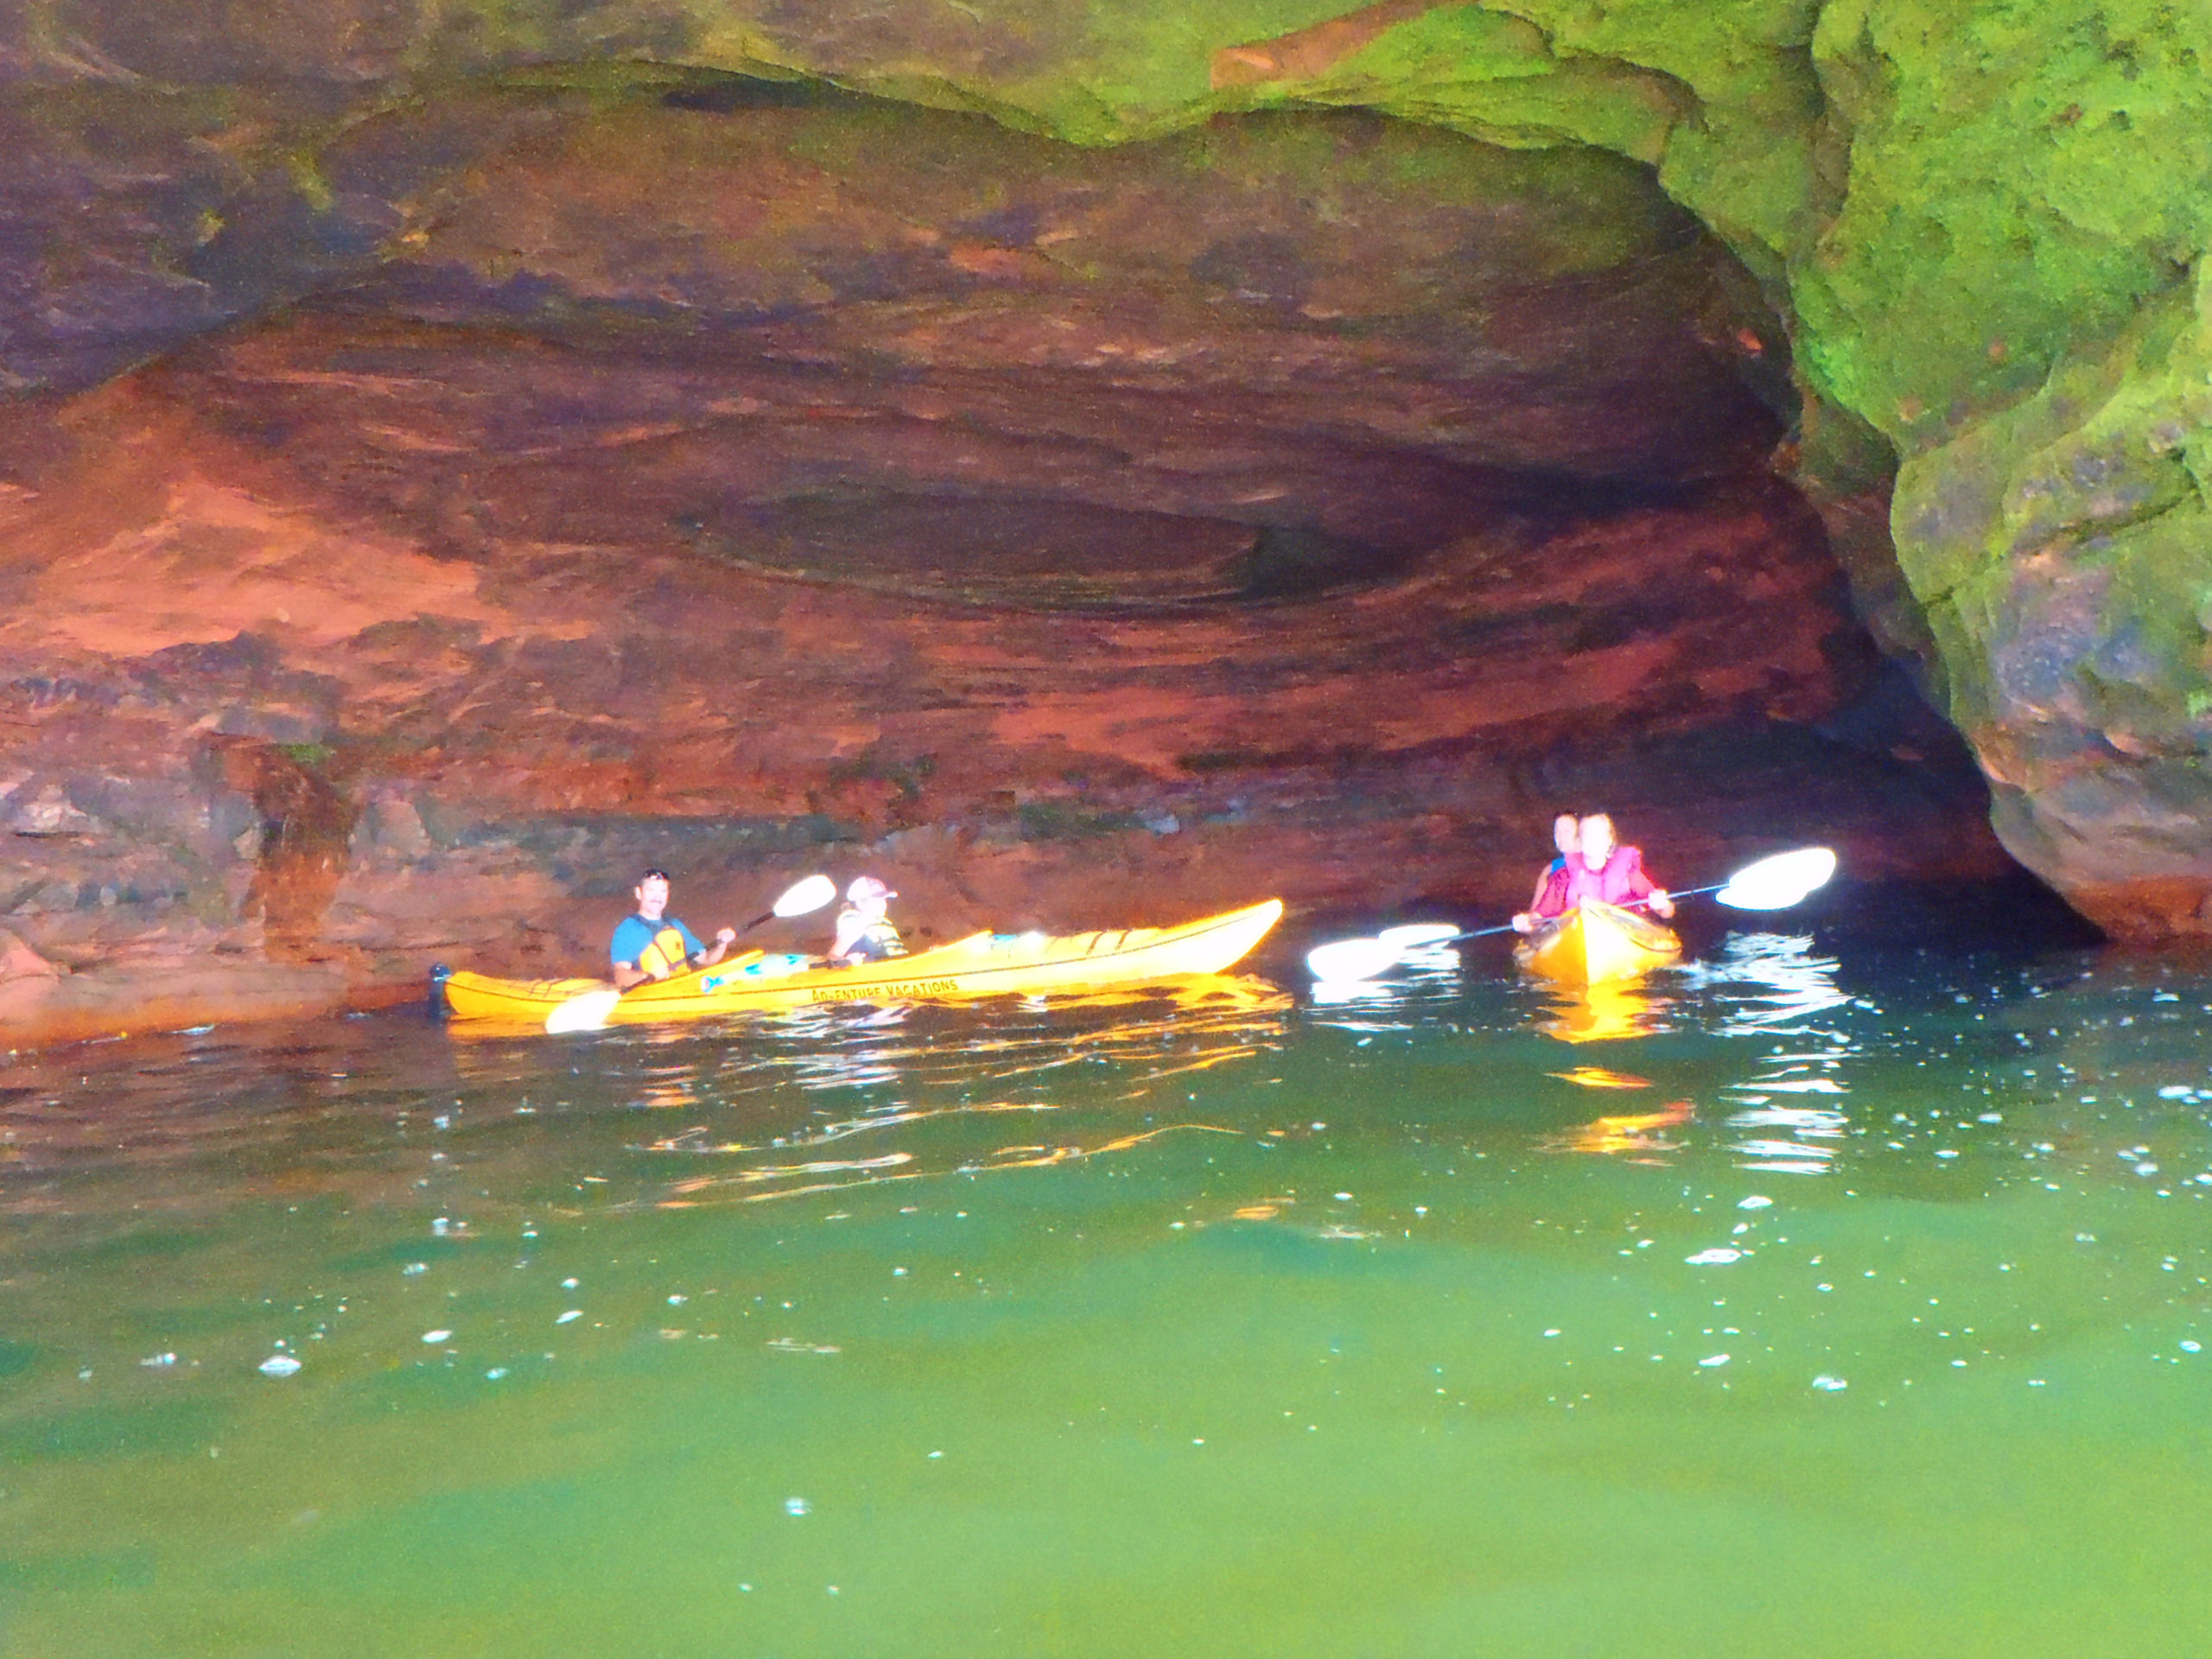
1596, 942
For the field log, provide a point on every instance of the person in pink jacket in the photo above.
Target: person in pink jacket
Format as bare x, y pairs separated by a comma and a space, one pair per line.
1611, 873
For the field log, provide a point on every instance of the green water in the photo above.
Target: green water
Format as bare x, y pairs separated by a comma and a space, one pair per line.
925, 1332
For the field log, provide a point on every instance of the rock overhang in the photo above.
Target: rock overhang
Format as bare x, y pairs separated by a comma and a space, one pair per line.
394, 203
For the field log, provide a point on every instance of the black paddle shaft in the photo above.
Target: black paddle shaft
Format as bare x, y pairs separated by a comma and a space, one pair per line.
1485, 932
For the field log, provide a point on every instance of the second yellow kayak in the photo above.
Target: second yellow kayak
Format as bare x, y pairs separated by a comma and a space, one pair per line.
1595, 943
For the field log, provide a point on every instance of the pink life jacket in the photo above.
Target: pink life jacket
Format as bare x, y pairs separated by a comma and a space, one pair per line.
1554, 900
1621, 879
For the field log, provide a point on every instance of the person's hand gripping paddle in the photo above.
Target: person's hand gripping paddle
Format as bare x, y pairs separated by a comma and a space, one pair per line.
590, 1010
1774, 883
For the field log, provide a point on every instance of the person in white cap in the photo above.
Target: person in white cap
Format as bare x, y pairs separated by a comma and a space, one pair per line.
864, 929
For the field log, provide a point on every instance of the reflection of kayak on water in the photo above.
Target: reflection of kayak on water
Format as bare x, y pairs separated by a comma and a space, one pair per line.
986, 965
1595, 955
1603, 1012
1596, 941
1644, 1132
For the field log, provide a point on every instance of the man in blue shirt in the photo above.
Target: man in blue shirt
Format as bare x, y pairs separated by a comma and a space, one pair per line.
653, 944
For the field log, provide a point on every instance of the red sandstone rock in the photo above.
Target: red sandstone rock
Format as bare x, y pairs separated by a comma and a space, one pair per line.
19, 962
111, 1000
1095, 542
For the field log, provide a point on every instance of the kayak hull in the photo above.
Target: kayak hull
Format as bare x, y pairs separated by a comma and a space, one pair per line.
985, 965
1595, 944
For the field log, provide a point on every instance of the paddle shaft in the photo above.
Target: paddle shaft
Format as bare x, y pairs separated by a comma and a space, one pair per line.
764, 916
747, 928
1809, 867
1637, 904
588, 1010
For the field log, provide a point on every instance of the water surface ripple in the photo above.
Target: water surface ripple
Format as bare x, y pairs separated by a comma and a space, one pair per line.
1842, 1307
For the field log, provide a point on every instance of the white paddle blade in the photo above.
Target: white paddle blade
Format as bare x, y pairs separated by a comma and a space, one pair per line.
1352, 959
806, 896
1779, 883
1413, 935
588, 1012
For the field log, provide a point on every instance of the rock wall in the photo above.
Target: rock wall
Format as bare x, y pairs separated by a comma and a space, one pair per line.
1308, 504
1961, 208
457, 452
2062, 549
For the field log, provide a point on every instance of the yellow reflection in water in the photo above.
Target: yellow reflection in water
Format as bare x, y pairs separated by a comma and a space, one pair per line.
1644, 1133
1149, 1034
869, 1172
1597, 1077
1602, 1012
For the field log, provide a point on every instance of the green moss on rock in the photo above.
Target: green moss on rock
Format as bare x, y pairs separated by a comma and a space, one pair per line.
2102, 481
2024, 176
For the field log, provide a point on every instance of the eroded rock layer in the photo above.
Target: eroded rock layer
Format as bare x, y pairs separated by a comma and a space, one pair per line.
327, 742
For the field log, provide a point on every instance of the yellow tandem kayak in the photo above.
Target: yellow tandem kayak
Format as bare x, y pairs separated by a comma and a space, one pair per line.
986, 965
1595, 943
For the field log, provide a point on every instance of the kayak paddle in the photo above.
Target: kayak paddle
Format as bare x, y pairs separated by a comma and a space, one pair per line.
1772, 883
589, 1010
